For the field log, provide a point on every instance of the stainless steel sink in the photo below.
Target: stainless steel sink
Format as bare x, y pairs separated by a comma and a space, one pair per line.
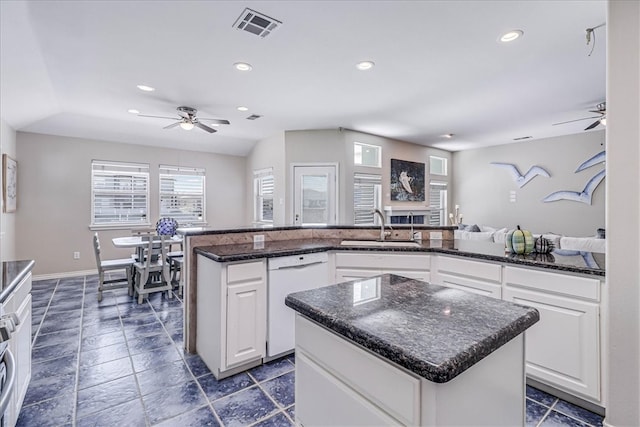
382, 244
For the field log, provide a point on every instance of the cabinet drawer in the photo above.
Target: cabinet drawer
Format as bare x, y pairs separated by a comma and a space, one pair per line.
388, 387
246, 271
383, 260
562, 284
465, 267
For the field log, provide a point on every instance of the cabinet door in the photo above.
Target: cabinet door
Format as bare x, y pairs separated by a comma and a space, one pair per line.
246, 322
473, 276
563, 348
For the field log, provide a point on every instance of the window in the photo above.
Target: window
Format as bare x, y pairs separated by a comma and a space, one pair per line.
119, 193
438, 202
367, 194
367, 155
437, 165
263, 185
182, 194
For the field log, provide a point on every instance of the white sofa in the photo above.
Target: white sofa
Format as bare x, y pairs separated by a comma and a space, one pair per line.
491, 234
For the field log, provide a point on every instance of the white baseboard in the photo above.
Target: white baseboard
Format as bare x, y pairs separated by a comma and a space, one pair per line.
64, 275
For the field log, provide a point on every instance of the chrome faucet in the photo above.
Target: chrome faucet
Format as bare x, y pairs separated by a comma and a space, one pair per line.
382, 221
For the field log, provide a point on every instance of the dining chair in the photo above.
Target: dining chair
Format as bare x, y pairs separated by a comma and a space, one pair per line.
152, 272
125, 264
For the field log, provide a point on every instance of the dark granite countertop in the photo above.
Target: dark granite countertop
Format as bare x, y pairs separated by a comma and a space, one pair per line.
199, 231
12, 273
433, 331
569, 261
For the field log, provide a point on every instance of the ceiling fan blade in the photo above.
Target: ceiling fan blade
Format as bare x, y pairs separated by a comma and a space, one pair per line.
592, 125
172, 125
218, 121
159, 117
576, 120
204, 127
598, 112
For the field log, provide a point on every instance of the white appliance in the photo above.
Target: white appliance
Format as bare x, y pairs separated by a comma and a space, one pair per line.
287, 275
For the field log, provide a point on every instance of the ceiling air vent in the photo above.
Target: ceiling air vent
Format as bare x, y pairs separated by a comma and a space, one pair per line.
522, 137
253, 117
256, 23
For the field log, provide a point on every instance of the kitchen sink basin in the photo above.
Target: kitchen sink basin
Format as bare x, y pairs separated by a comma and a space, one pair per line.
382, 244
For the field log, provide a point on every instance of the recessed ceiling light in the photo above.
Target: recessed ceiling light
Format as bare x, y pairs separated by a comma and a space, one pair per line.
510, 36
448, 135
242, 108
365, 65
242, 66
133, 111
146, 88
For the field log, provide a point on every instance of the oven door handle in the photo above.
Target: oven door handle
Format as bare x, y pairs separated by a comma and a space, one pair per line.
7, 388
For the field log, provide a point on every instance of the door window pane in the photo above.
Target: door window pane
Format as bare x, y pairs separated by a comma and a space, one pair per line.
315, 199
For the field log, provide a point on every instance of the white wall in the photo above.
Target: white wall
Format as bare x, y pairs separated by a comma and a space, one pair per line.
623, 212
268, 153
336, 146
8, 220
54, 195
482, 190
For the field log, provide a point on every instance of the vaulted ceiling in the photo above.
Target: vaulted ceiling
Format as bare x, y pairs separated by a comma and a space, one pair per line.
71, 68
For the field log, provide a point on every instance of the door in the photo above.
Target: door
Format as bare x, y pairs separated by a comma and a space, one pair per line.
315, 195
246, 329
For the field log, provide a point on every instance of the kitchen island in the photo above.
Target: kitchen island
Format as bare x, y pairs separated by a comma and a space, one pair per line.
389, 350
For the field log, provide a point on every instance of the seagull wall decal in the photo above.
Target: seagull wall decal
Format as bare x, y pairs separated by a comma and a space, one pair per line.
595, 160
522, 180
584, 196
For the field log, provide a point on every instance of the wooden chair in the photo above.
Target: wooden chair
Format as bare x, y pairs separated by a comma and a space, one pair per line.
176, 261
111, 265
152, 272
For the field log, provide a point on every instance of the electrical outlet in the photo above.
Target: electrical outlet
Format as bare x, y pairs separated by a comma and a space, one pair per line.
76, 255
258, 238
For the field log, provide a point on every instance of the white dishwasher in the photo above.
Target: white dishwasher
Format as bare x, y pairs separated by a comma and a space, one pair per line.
286, 275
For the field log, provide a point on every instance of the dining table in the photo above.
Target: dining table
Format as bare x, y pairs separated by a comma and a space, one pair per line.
139, 243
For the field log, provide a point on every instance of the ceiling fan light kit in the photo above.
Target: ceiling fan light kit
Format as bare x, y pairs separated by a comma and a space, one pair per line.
188, 120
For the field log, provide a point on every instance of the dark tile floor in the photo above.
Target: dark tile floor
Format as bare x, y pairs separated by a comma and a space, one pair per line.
117, 363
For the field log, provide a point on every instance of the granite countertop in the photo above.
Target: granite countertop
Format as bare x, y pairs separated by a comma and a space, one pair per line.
433, 331
12, 273
569, 261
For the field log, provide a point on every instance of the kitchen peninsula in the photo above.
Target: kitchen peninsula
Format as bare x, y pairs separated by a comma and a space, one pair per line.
389, 350
564, 349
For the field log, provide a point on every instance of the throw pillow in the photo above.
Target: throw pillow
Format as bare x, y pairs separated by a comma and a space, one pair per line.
473, 228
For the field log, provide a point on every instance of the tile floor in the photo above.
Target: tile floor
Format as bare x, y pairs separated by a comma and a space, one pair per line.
117, 363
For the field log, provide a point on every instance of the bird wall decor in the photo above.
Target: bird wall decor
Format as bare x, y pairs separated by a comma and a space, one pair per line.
595, 160
522, 180
584, 196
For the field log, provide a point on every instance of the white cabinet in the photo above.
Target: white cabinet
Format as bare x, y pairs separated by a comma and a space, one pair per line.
231, 315
563, 348
482, 278
19, 302
359, 265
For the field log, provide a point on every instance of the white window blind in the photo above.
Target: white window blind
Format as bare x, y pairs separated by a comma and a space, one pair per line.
438, 199
367, 194
182, 194
263, 187
119, 193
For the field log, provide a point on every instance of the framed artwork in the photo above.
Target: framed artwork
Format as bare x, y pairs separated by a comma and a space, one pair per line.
407, 181
10, 183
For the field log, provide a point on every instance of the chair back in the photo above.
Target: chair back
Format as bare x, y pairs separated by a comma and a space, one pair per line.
156, 251
96, 250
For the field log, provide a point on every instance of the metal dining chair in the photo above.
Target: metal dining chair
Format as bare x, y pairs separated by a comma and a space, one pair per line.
125, 264
152, 272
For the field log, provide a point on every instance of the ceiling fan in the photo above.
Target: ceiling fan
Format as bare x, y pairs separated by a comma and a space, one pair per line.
188, 120
601, 109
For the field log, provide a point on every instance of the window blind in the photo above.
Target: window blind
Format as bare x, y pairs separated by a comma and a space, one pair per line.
438, 199
264, 185
367, 192
119, 193
182, 194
